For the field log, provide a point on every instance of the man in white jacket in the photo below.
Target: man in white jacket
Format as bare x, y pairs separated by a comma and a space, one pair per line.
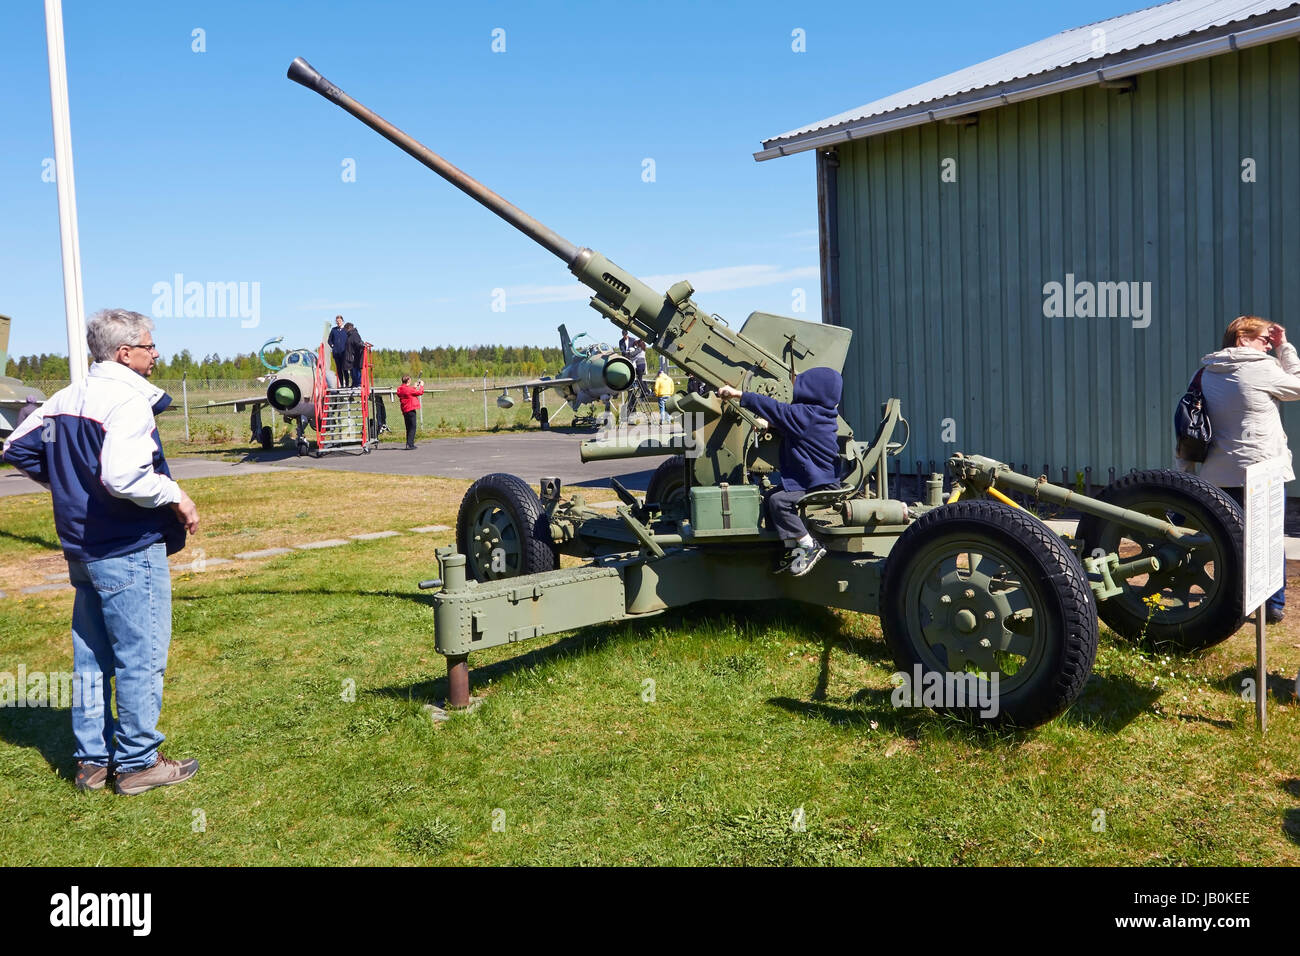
1243, 385
118, 514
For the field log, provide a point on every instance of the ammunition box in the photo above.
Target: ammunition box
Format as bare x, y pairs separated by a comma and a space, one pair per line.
726, 509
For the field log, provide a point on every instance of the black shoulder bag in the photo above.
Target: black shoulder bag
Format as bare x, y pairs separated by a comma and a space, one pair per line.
1192, 423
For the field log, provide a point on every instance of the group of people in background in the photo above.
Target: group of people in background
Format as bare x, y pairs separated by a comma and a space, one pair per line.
663, 387
349, 351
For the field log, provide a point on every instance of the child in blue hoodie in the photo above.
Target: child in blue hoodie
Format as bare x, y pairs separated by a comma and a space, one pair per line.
809, 456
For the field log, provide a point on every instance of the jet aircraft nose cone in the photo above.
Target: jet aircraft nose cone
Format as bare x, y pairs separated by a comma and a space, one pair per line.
619, 373
284, 396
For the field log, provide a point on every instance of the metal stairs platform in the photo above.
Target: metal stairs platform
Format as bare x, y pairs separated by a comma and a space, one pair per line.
343, 424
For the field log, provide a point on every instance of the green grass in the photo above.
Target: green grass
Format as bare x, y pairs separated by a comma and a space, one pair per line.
758, 713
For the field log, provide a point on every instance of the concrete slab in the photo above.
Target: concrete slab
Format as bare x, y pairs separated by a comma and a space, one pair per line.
316, 545
374, 535
39, 588
264, 553
430, 528
62, 576
200, 564
13, 482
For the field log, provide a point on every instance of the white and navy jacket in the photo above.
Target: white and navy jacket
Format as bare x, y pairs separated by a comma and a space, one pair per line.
95, 445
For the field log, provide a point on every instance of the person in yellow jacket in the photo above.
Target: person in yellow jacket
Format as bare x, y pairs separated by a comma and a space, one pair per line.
664, 386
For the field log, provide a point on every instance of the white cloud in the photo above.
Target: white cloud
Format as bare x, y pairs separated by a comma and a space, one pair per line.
724, 279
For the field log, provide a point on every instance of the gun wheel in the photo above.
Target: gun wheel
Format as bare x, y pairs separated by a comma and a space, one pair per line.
502, 530
977, 592
669, 488
1195, 600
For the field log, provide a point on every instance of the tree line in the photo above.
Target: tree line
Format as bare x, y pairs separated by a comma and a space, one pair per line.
443, 361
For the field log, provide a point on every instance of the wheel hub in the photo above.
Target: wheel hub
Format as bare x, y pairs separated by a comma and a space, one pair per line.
973, 612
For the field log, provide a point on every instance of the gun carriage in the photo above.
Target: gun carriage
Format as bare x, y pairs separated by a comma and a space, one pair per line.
968, 583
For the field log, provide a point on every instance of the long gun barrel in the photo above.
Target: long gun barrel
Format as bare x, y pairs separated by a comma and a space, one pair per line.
694, 339
300, 71
620, 296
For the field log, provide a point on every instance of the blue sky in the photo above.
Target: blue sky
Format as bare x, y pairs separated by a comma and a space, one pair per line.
214, 166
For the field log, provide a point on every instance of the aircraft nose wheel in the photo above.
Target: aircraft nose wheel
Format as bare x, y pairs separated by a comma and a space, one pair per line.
301, 447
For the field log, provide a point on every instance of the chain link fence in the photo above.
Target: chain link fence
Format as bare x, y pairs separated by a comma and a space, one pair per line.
448, 406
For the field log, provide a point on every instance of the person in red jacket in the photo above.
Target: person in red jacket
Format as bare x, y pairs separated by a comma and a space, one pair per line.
409, 396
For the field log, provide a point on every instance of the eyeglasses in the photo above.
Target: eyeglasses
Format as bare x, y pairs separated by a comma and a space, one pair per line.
134, 345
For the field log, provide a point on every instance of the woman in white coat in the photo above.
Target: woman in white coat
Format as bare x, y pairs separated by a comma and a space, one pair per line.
1243, 385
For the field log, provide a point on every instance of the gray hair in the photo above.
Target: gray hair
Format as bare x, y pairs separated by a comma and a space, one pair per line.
109, 328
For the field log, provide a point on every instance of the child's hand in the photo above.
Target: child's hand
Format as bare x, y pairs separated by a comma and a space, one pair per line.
726, 391
761, 424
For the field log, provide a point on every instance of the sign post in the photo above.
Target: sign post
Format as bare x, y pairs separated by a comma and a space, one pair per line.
1264, 498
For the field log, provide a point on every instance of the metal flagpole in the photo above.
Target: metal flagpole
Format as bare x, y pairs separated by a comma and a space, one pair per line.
73, 303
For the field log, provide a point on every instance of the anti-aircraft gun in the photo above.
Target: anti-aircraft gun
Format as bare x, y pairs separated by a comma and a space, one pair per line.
975, 594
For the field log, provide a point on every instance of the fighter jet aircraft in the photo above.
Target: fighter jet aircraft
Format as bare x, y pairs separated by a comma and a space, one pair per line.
14, 395
289, 388
592, 373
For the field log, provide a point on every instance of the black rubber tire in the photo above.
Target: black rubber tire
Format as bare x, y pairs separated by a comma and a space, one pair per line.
669, 487
301, 447
544, 418
267, 438
1203, 507
1050, 580
520, 520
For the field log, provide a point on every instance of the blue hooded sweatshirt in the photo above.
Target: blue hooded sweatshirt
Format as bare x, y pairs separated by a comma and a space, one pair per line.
809, 451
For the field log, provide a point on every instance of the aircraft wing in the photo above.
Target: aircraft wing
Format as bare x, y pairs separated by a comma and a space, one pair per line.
390, 391
535, 383
239, 403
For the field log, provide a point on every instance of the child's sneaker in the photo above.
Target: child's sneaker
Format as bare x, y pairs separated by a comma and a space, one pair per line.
787, 559
805, 558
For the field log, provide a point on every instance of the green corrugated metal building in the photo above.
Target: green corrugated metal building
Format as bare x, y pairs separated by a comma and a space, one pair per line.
1159, 150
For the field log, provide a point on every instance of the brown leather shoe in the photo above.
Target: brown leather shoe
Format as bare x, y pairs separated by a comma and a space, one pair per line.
162, 774
91, 776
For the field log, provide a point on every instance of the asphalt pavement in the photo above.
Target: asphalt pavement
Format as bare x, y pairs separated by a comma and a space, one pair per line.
531, 456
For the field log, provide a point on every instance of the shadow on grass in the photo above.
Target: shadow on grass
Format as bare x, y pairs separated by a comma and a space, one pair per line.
1281, 689
707, 616
52, 543
419, 597
1107, 704
1291, 818
46, 729
1110, 702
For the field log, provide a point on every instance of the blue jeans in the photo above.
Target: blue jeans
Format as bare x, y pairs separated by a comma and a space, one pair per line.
121, 628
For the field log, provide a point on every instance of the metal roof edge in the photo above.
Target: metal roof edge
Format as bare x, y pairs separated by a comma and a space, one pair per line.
1182, 52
